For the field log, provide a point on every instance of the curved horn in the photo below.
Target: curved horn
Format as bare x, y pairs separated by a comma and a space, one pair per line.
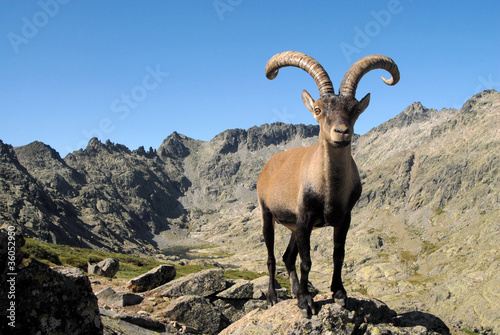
363, 66
306, 63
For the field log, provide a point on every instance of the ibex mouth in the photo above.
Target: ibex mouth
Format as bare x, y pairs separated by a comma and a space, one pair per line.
342, 144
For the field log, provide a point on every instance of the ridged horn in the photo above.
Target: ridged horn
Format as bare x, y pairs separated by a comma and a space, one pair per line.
363, 66
306, 63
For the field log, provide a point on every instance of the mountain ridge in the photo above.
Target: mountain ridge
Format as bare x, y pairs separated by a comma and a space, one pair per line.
429, 202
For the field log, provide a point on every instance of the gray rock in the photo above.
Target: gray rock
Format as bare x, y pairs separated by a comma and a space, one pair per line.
53, 301
439, 293
203, 283
114, 326
196, 312
106, 268
109, 297
260, 286
362, 316
153, 278
242, 289
235, 309
141, 321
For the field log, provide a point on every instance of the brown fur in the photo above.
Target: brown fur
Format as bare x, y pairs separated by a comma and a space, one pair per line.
316, 186
311, 187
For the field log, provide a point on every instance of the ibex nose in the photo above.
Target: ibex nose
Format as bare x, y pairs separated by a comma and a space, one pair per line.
342, 129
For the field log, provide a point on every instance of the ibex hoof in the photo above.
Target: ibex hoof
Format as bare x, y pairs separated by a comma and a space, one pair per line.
340, 298
307, 306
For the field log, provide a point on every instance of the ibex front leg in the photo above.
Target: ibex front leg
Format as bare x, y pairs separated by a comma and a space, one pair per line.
339, 237
303, 238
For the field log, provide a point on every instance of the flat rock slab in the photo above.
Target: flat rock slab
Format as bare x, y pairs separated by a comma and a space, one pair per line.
260, 287
109, 297
123, 327
203, 283
242, 289
153, 278
196, 312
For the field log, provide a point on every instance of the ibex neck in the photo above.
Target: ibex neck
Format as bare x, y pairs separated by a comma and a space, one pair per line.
336, 162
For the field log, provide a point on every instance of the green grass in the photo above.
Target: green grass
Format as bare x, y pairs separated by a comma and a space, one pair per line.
468, 332
130, 266
191, 252
55, 254
188, 269
250, 275
440, 210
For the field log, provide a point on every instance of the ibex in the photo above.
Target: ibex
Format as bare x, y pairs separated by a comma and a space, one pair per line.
316, 186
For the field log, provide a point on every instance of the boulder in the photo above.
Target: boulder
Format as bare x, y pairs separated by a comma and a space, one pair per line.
197, 312
109, 297
133, 323
260, 286
106, 268
153, 278
53, 301
362, 316
242, 289
203, 283
235, 309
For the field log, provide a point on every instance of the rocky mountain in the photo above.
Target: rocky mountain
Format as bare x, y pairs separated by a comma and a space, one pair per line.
424, 236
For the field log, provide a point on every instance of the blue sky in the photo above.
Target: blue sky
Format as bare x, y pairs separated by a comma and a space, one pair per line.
135, 71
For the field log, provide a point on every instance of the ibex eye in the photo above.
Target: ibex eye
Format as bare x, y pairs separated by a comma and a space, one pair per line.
317, 111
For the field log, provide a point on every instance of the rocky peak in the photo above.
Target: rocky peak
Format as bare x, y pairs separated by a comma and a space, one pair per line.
174, 146
95, 146
414, 113
142, 152
229, 141
278, 134
487, 99
37, 153
94, 143
45, 164
7, 153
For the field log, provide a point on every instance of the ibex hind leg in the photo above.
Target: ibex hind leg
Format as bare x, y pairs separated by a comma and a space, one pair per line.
268, 231
290, 258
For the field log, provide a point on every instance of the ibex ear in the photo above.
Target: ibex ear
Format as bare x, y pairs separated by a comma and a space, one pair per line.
363, 104
308, 100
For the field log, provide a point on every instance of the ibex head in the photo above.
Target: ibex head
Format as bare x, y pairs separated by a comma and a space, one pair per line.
336, 114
